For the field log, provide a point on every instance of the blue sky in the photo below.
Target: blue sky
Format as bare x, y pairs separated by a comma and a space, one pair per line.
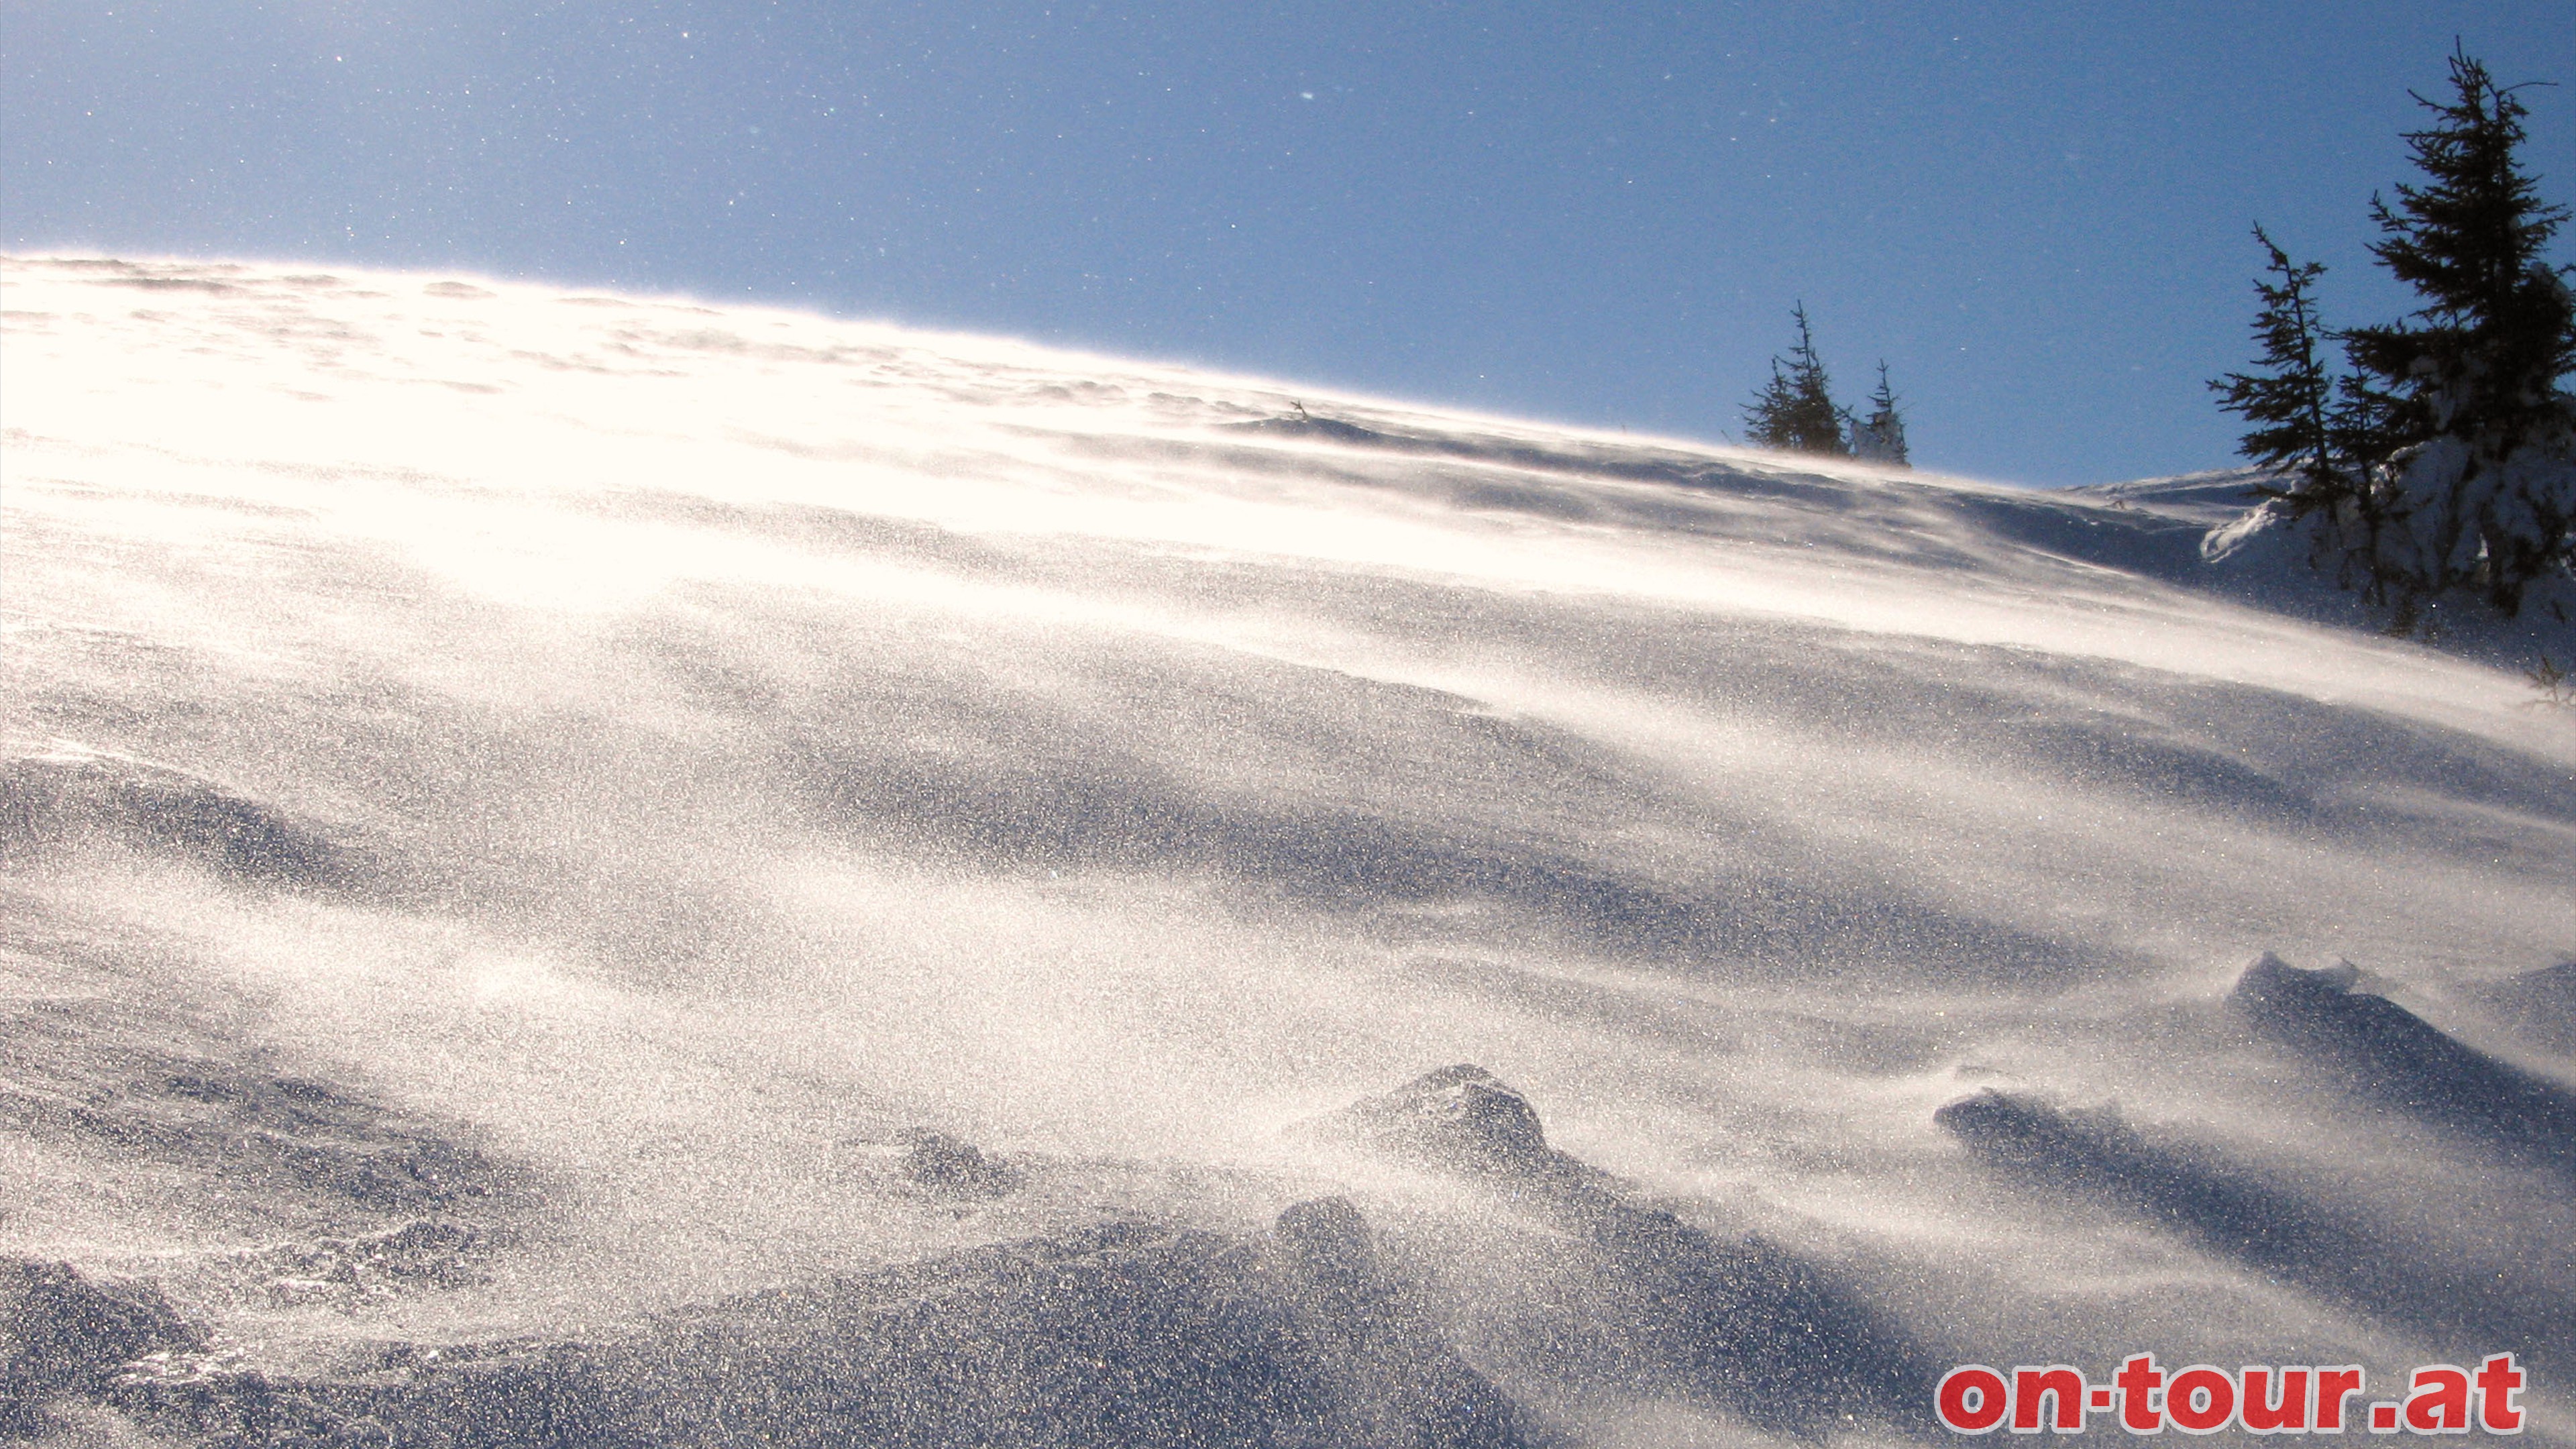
2036, 214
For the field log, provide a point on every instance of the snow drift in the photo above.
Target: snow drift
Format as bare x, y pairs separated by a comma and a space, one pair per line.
614, 780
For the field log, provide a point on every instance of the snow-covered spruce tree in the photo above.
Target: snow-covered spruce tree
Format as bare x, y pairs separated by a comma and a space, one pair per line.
1880, 437
1795, 410
2468, 446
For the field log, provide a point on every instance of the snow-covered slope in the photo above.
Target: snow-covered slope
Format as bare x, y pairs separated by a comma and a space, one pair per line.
591, 774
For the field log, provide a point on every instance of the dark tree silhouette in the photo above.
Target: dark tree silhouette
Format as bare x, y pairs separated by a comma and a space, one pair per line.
1795, 410
2291, 403
2486, 350
1880, 437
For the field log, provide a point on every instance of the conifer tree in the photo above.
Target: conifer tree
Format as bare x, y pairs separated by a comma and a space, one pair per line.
2292, 404
2493, 337
1766, 418
2461, 398
1795, 410
1880, 437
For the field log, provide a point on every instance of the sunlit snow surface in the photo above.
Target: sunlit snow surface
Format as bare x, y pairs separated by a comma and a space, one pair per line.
682, 747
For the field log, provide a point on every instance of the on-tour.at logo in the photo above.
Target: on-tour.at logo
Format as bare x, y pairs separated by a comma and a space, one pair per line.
2203, 1399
